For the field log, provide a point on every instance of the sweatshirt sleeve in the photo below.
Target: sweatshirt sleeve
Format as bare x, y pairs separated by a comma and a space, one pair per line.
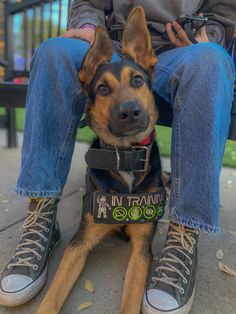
224, 14
86, 12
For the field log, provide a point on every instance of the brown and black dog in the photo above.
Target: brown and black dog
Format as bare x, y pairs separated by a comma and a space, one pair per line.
123, 164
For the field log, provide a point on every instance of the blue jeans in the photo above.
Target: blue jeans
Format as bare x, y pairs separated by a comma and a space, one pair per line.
198, 82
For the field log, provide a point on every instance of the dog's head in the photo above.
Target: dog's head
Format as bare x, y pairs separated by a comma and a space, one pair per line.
122, 108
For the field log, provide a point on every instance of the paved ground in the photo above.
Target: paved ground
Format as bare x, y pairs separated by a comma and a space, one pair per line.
215, 291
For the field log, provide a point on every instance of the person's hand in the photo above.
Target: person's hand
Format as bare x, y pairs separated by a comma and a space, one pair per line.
201, 35
181, 39
84, 34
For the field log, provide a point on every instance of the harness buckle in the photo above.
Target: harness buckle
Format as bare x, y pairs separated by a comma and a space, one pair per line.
146, 159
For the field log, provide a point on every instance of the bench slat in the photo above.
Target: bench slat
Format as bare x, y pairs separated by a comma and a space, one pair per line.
12, 95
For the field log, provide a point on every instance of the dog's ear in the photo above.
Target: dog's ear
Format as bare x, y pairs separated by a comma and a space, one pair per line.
137, 40
100, 52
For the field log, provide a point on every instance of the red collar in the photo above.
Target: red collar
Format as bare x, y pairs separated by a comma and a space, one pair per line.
149, 139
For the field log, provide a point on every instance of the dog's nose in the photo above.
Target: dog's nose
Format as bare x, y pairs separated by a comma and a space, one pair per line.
128, 112
128, 117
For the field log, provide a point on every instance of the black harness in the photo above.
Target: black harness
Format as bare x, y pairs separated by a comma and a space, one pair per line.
107, 195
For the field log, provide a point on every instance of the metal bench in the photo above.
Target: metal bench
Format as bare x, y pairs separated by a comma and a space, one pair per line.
37, 28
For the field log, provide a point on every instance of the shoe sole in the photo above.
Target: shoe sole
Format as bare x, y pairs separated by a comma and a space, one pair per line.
148, 309
12, 299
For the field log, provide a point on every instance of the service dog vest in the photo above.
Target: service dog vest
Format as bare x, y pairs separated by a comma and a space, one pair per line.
107, 198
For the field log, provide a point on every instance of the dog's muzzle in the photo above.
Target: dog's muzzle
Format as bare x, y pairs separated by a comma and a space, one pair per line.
128, 119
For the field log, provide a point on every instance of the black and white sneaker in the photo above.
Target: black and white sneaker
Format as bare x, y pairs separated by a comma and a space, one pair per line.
25, 274
171, 287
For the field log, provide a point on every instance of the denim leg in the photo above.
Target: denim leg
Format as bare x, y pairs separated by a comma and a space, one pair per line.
54, 106
198, 82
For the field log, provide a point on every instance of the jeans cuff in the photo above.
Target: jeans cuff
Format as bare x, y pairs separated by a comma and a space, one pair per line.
48, 194
194, 224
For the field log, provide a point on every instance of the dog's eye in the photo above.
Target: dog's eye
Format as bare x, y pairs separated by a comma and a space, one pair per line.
103, 90
137, 81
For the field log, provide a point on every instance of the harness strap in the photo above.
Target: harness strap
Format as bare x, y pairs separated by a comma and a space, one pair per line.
189, 31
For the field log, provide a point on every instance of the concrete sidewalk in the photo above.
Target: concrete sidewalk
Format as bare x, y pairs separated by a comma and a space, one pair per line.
106, 265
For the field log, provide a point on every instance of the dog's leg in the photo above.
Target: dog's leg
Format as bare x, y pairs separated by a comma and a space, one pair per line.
138, 267
72, 264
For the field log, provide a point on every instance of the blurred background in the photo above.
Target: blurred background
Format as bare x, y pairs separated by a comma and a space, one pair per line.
50, 15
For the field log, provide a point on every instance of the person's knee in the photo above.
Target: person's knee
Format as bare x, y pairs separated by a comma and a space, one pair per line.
53, 50
209, 58
211, 73
49, 49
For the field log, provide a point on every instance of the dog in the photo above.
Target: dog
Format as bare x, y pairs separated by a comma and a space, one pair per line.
124, 186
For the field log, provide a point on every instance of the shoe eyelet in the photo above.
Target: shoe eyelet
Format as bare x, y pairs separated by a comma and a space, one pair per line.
47, 230
181, 290
190, 262
185, 281
187, 271
42, 249
191, 251
45, 240
153, 279
35, 267
39, 257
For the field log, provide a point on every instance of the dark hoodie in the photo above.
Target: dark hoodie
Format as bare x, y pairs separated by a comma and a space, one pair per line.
158, 13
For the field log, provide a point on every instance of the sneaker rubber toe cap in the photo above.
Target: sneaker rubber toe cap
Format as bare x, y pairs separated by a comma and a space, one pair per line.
18, 289
15, 283
159, 300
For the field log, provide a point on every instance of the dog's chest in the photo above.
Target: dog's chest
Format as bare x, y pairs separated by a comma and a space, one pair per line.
129, 178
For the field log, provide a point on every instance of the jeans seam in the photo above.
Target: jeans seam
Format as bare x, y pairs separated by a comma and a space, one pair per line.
164, 70
176, 190
172, 77
64, 146
28, 193
177, 162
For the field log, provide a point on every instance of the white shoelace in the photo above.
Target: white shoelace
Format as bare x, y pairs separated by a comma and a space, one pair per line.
29, 225
181, 239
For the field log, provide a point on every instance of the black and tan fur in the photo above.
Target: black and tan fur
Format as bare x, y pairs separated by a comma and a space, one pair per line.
96, 73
